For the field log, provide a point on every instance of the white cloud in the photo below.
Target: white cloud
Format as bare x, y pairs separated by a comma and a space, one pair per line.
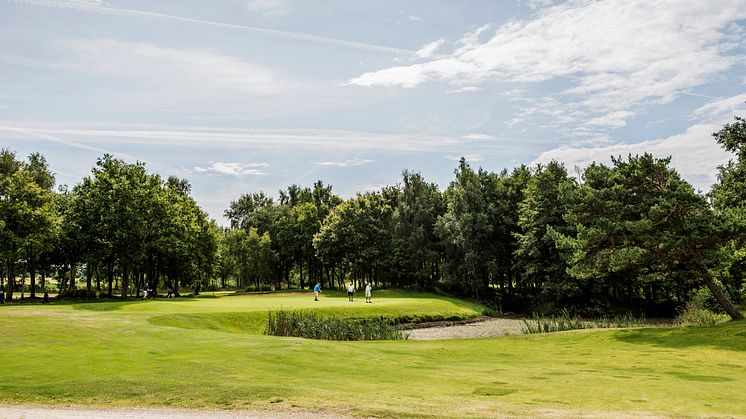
232, 169
694, 153
162, 68
428, 49
469, 157
614, 56
602, 43
269, 8
723, 107
478, 136
538, 4
100, 7
612, 119
346, 163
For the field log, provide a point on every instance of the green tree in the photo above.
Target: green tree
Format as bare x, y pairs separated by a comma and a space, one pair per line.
414, 224
466, 232
640, 217
729, 201
27, 213
542, 267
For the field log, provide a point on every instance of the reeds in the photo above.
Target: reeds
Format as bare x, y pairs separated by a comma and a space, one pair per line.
564, 321
311, 325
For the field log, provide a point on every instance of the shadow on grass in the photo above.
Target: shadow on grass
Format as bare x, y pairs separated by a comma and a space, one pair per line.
730, 336
116, 304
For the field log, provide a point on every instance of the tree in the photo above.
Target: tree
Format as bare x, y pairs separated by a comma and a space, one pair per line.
641, 218
541, 266
466, 232
414, 227
27, 213
251, 210
729, 201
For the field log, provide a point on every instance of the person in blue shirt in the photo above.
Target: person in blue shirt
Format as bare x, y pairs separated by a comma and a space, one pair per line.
316, 291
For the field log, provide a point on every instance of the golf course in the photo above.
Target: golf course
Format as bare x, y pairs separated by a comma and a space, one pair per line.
210, 352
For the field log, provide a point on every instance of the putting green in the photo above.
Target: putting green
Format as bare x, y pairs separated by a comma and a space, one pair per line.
208, 352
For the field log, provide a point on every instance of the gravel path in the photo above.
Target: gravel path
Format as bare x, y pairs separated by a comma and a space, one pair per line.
36, 412
494, 327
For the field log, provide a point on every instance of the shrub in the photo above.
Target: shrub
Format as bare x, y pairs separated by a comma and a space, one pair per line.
311, 325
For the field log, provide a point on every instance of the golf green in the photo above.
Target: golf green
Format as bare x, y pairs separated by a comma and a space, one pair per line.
210, 352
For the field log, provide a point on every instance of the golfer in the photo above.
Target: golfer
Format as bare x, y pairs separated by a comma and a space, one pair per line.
316, 291
351, 292
367, 292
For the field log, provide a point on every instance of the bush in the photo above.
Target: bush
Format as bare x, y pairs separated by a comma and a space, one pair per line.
311, 325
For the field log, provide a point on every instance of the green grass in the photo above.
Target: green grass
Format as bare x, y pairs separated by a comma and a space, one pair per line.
209, 352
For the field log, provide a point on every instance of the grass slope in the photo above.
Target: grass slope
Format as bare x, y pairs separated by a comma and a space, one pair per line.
207, 352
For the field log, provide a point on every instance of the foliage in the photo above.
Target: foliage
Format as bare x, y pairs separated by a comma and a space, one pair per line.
541, 264
639, 221
311, 325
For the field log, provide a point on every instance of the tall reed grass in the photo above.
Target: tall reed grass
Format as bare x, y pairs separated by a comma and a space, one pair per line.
695, 314
565, 321
311, 325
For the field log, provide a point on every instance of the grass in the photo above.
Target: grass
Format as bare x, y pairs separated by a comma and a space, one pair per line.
313, 325
210, 353
564, 321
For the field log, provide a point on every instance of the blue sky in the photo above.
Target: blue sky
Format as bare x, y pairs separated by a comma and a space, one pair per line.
245, 95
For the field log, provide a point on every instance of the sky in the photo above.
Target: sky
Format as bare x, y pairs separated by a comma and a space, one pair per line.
239, 96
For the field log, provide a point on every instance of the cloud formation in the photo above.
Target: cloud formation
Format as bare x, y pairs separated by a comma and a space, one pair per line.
100, 7
172, 69
428, 49
694, 154
346, 163
613, 56
269, 8
232, 169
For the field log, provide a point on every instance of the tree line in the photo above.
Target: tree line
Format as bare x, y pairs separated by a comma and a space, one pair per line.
629, 236
120, 228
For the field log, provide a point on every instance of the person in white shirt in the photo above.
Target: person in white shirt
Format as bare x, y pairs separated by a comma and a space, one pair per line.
351, 292
367, 292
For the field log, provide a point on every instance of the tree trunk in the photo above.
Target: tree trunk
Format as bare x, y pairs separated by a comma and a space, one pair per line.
88, 276
110, 278
301, 272
125, 282
721, 298
11, 280
72, 276
32, 271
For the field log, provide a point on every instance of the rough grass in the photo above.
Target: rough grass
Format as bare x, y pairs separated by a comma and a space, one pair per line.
135, 353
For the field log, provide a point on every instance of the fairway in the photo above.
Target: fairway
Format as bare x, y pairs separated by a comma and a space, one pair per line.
209, 352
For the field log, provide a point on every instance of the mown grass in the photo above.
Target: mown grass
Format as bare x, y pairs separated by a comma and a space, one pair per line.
142, 353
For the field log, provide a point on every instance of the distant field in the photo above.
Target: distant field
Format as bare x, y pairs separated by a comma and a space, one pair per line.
209, 352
